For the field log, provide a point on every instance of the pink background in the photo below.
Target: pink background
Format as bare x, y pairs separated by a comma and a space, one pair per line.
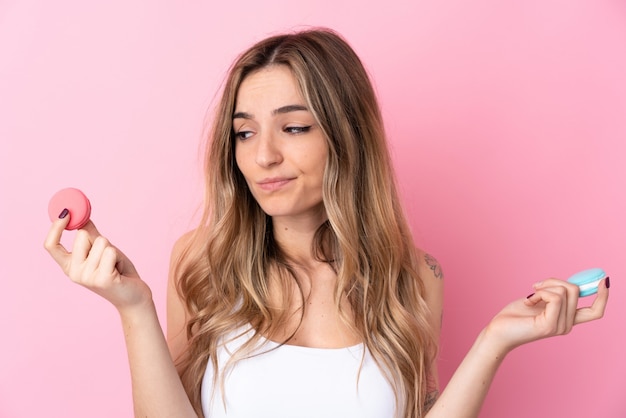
507, 122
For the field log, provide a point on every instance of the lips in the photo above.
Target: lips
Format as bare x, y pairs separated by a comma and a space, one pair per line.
274, 183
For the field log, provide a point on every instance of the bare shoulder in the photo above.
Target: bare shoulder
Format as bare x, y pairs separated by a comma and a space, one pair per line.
183, 243
429, 270
428, 265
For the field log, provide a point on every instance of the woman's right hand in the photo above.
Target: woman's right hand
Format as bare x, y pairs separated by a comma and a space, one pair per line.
98, 265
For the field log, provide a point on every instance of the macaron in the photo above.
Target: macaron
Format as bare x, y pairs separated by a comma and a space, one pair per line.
588, 281
75, 202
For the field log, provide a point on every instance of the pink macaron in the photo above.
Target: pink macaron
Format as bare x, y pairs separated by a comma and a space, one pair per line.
75, 202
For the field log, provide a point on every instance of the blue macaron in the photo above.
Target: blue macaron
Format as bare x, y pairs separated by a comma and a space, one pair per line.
588, 281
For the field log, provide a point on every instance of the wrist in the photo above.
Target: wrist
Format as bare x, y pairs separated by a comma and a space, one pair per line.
491, 346
136, 311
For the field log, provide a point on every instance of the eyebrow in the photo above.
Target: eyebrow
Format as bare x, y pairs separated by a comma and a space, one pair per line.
279, 111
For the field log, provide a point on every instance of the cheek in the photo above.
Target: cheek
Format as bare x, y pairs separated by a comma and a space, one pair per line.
240, 161
317, 172
321, 163
316, 157
242, 165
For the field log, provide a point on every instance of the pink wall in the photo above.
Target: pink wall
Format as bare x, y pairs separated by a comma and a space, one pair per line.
508, 127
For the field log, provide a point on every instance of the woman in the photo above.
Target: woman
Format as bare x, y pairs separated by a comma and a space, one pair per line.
301, 293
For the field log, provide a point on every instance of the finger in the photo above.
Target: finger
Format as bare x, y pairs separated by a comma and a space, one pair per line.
570, 296
123, 265
53, 245
110, 258
571, 288
549, 318
571, 304
83, 243
91, 229
80, 251
105, 276
561, 294
92, 263
597, 308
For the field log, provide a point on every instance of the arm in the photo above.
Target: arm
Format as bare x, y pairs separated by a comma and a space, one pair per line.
550, 311
432, 276
176, 311
97, 265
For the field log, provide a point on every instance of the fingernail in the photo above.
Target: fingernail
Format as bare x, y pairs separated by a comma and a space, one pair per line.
63, 213
538, 284
607, 282
530, 296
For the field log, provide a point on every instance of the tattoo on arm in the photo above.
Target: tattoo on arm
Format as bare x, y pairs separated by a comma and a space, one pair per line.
434, 265
431, 398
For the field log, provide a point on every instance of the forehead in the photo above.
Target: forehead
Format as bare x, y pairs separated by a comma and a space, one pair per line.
270, 87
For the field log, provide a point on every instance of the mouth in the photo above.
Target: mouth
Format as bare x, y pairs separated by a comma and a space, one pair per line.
270, 184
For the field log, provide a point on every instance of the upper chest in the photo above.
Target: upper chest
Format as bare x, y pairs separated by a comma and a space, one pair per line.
315, 319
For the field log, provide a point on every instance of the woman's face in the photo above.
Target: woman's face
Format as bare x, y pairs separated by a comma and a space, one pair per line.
279, 147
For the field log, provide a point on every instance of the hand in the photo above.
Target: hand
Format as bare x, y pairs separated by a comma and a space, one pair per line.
97, 265
552, 310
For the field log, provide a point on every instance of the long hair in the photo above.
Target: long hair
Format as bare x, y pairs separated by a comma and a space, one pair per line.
223, 274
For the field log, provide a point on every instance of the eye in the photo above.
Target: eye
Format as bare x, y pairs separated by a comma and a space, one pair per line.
243, 135
297, 129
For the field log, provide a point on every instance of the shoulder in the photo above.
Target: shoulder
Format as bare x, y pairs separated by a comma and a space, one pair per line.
187, 242
428, 266
186, 251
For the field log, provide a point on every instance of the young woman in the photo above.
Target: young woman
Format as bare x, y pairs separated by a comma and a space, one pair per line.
301, 293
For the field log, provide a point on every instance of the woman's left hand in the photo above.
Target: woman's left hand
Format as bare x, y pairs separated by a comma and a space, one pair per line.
552, 310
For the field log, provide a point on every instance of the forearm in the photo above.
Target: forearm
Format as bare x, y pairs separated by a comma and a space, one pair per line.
157, 389
464, 395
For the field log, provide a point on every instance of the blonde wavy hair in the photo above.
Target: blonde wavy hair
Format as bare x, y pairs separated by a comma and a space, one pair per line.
223, 274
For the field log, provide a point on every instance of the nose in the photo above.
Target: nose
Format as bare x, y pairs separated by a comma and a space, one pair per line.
268, 152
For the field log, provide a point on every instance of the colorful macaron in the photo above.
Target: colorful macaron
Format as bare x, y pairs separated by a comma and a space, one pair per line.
75, 202
588, 281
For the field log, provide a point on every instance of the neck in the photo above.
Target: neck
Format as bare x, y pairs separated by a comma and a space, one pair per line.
295, 236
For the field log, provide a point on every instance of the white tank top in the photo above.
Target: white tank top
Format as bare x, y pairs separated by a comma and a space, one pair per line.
298, 382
